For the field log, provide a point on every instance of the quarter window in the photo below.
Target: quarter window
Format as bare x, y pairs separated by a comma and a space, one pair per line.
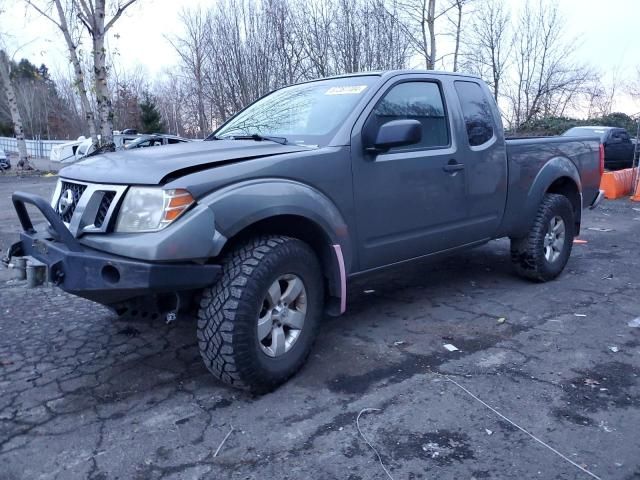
476, 110
421, 101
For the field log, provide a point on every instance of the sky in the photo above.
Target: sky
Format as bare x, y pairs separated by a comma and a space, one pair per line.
604, 31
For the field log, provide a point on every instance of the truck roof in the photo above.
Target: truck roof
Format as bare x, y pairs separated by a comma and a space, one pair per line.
595, 127
393, 73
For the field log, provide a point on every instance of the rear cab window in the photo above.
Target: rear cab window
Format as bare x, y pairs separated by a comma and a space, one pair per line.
414, 100
624, 136
477, 113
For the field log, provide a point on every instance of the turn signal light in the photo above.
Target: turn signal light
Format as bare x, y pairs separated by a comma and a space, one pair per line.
178, 201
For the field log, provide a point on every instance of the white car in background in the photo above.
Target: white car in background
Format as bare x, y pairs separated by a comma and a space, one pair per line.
121, 140
5, 163
65, 152
84, 149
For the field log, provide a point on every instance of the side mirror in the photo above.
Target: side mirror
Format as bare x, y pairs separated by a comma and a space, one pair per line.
397, 133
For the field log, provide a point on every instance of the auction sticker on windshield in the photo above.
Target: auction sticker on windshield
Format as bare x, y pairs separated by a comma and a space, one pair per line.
347, 90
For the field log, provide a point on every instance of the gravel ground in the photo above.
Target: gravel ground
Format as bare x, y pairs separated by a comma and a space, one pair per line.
83, 395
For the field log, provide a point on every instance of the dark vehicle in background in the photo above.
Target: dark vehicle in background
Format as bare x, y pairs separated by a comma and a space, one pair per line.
261, 227
155, 140
618, 146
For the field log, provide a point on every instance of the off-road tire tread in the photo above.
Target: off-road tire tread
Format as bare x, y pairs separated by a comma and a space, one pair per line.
235, 291
526, 256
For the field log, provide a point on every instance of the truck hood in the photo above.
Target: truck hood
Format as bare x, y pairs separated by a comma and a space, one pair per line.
153, 165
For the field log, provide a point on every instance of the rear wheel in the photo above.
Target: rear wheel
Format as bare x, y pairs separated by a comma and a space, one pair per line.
257, 325
544, 252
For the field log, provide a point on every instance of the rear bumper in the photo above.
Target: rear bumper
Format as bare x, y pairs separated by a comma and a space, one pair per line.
95, 275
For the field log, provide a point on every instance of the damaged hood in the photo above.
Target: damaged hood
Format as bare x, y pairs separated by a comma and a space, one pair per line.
152, 165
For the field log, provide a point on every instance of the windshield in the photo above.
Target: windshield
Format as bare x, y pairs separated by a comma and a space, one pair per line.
585, 132
309, 113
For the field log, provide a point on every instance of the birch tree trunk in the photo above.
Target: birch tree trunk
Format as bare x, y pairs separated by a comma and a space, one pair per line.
103, 96
92, 14
72, 47
431, 20
23, 159
87, 112
458, 4
417, 19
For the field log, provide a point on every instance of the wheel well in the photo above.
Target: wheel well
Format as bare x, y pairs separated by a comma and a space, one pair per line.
299, 227
567, 187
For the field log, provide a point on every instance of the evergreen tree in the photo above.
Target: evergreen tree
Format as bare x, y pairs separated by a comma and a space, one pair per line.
150, 117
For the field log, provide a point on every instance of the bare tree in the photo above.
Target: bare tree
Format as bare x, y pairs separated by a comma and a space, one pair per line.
418, 19
247, 68
192, 51
544, 74
272, 43
92, 14
5, 76
602, 93
171, 96
488, 44
64, 19
314, 24
385, 43
347, 42
290, 59
633, 87
455, 19
74, 115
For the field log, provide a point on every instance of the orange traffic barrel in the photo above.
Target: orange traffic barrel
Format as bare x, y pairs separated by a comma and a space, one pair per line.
617, 184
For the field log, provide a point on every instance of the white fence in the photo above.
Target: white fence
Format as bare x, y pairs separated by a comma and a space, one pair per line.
35, 148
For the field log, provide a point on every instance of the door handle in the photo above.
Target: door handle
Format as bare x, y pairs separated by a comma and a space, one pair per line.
453, 166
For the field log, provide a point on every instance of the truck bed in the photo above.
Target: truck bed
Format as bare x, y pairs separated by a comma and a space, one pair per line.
527, 155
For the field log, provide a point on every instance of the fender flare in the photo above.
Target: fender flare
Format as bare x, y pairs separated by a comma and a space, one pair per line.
555, 169
243, 204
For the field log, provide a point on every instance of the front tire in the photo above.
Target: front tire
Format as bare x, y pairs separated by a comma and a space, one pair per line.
257, 325
544, 252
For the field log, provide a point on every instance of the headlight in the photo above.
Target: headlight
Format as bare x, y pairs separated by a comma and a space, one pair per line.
147, 209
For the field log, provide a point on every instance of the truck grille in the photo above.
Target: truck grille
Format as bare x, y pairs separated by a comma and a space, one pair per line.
77, 189
86, 207
104, 208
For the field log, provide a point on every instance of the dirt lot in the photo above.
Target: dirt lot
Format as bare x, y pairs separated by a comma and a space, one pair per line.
85, 396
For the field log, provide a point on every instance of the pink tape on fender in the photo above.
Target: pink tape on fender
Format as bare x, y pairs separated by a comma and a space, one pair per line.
343, 278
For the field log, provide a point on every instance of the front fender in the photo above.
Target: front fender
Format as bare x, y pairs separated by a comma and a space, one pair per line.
240, 205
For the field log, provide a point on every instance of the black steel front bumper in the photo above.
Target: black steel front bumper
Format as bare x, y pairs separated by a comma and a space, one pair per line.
95, 275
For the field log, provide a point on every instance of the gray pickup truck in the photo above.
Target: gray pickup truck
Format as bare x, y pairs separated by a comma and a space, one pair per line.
261, 227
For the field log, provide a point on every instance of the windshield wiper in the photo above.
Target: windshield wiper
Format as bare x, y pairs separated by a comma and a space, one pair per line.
259, 138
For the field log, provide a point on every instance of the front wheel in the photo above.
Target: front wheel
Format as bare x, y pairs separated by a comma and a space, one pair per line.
544, 252
257, 325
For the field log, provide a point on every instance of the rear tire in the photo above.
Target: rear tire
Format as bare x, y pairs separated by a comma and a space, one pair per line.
542, 255
248, 322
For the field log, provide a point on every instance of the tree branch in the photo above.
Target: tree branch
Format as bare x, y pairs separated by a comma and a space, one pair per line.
117, 15
43, 13
85, 14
